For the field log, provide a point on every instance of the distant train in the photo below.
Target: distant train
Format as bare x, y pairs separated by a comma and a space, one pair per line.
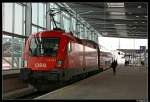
57, 56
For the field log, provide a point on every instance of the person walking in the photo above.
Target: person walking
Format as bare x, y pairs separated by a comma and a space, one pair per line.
114, 65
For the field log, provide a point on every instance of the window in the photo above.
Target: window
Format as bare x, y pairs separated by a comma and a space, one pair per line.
13, 18
41, 15
74, 24
83, 31
44, 47
92, 35
87, 33
38, 17
66, 23
18, 44
18, 19
34, 13
8, 14
34, 29
12, 48
6, 52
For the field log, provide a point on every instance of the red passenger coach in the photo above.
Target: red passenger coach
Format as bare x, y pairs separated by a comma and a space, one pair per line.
58, 56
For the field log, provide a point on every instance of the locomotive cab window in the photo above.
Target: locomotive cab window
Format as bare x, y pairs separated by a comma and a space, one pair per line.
44, 47
69, 47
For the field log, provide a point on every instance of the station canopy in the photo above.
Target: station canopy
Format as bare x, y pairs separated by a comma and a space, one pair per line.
115, 19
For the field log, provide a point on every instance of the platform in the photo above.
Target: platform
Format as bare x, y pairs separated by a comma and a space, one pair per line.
130, 82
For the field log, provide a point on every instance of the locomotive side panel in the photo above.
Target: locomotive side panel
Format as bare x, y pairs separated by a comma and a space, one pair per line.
75, 59
81, 59
91, 58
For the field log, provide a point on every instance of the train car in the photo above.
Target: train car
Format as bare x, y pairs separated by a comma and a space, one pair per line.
106, 57
57, 56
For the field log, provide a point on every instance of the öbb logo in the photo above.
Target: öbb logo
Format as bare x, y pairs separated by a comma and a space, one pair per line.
40, 65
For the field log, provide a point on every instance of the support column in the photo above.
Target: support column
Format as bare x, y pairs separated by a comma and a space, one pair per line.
61, 20
48, 21
28, 19
13, 29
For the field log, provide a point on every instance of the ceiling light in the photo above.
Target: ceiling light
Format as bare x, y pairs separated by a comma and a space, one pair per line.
135, 22
120, 24
117, 13
139, 6
145, 16
137, 16
86, 12
104, 33
143, 22
115, 4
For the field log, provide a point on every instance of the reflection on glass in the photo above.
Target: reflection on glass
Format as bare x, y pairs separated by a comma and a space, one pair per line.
9, 49
18, 44
6, 52
44, 47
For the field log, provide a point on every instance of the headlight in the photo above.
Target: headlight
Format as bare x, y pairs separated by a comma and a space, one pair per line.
59, 63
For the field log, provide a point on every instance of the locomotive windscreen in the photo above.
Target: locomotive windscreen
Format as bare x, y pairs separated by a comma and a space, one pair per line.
44, 47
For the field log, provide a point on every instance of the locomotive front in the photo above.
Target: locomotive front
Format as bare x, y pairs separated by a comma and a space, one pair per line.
43, 57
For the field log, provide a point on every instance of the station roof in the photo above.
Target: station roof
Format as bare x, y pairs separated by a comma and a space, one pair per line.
131, 50
115, 19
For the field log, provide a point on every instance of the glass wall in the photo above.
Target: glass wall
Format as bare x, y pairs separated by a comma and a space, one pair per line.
6, 52
66, 22
16, 25
17, 46
73, 24
13, 34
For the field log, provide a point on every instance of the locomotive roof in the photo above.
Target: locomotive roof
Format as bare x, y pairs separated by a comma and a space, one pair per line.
70, 35
83, 41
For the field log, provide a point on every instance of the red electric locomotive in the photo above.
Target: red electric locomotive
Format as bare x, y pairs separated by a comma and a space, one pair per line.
58, 56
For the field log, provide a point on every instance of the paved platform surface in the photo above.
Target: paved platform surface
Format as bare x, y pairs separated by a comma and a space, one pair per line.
129, 83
